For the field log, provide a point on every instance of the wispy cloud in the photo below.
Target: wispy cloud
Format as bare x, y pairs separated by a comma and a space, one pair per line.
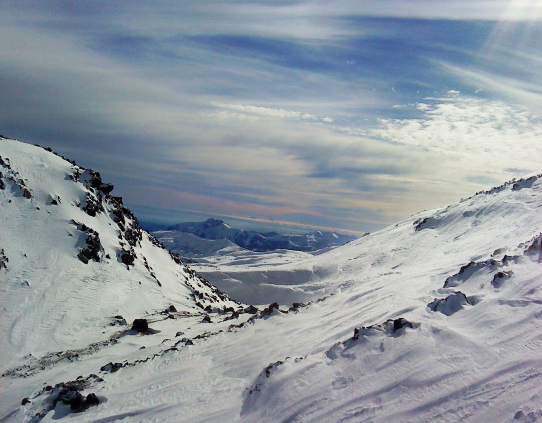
255, 112
324, 114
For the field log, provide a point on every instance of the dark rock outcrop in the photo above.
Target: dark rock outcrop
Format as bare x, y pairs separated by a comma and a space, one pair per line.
269, 309
127, 258
140, 325
3, 259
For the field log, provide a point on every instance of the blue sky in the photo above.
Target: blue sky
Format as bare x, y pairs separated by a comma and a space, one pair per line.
346, 114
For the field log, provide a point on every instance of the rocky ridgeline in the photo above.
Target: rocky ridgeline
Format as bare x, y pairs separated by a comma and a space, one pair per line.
434, 222
98, 199
492, 272
517, 184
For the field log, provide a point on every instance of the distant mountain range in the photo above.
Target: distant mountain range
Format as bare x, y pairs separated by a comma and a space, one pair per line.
195, 239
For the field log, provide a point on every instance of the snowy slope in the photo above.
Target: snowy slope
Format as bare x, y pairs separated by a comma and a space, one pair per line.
435, 319
51, 299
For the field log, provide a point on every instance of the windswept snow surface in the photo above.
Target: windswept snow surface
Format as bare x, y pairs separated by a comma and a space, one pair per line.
368, 348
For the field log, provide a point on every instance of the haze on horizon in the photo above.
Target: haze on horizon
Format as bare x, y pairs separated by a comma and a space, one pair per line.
347, 115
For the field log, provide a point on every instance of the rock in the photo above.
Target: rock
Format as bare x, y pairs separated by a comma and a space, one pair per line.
140, 325
268, 310
127, 258
206, 319
111, 367
449, 305
401, 323
76, 402
25, 401
106, 188
297, 306
92, 205
251, 309
171, 309
500, 277
119, 321
91, 400
83, 256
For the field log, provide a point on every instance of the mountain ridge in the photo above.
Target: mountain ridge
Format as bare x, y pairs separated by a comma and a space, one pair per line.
75, 212
219, 235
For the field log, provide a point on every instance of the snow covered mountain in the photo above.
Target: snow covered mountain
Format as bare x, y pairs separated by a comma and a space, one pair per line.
66, 240
435, 319
196, 239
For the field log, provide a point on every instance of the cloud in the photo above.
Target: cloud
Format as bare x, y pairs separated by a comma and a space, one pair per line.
328, 114
469, 138
250, 112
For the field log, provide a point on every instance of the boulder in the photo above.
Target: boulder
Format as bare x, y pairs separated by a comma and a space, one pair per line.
84, 255
140, 325
127, 258
251, 309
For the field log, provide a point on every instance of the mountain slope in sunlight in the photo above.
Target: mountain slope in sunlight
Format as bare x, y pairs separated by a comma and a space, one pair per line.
435, 319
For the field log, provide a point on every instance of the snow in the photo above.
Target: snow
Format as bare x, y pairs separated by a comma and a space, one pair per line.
336, 359
200, 239
44, 271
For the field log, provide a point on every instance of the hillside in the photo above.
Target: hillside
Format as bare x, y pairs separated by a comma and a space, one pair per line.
75, 256
435, 319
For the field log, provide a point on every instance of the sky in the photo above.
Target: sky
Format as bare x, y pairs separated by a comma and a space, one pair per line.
301, 114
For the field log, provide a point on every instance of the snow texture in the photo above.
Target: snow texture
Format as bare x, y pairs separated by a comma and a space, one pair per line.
364, 347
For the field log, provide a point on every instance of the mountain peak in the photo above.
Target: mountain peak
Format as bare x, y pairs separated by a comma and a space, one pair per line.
213, 222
